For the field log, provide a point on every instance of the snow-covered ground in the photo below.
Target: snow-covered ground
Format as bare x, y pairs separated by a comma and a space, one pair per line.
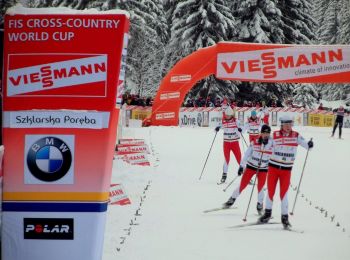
166, 219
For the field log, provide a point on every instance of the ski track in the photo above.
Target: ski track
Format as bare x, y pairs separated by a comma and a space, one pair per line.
170, 219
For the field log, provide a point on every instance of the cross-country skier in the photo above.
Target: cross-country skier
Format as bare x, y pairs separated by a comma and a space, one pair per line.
264, 113
252, 126
285, 143
255, 161
232, 131
339, 119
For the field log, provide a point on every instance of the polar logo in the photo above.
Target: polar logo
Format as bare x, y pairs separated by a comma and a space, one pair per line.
48, 228
49, 159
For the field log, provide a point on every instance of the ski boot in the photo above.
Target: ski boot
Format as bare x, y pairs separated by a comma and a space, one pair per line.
266, 217
229, 203
223, 178
259, 208
285, 222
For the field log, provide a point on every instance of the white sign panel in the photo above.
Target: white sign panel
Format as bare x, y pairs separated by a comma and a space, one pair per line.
284, 63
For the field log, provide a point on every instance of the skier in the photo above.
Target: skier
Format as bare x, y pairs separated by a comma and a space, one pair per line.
339, 120
232, 132
285, 143
264, 113
255, 161
253, 126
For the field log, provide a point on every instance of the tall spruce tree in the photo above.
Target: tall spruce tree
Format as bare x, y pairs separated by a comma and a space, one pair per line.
260, 21
298, 23
305, 95
344, 23
328, 31
4, 5
197, 24
148, 34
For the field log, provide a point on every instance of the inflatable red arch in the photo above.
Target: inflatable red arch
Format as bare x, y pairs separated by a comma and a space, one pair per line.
249, 62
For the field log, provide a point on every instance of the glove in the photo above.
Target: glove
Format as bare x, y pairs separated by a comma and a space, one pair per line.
310, 144
239, 129
240, 171
217, 128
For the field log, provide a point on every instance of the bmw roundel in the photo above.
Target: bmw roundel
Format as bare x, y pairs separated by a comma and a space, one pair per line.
49, 159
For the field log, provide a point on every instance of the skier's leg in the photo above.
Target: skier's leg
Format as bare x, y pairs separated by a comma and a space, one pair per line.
272, 178
340, 128
284, 186
261, 183
334, 127
236, 151
226, 148
246, 177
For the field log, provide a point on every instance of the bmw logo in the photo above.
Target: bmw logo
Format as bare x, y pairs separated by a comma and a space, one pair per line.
49, 159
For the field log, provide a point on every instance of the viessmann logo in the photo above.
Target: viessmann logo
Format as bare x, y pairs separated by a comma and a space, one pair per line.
56, 75
283, 63
48, 228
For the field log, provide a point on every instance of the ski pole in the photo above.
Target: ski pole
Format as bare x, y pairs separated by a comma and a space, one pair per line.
231, 183
301, 177
208, 155
251, 194
244, 139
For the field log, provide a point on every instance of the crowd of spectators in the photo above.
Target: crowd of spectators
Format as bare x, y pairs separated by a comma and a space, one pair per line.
136, 100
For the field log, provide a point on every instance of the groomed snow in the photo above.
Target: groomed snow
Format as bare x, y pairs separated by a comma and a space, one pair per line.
168, 202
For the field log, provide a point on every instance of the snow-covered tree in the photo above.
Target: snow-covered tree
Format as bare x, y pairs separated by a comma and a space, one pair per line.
148, 34
334, 91
344, 23
305, 95
298, 23
4, 5
328, 31
197, 24
260, 21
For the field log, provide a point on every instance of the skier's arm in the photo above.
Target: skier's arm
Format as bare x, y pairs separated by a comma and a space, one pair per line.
303, 142
245, 127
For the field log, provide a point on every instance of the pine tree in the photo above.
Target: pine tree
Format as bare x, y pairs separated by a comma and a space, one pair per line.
4, 5
46, 3
260, 21
298, 23
148, 32
197, 24
305, 95
344, 23
329, 29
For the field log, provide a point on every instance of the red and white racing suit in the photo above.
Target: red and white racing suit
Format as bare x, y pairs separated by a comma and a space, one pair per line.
253, 126
231, 141
281, 164
265, 115
255, 154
